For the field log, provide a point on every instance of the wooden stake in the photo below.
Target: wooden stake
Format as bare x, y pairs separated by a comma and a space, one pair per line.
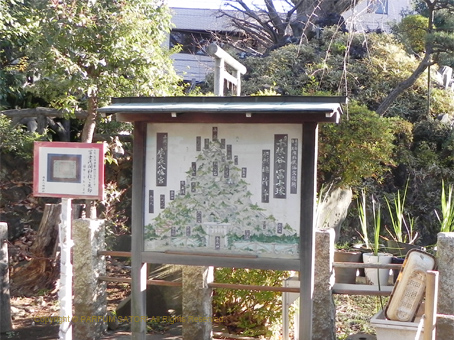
431, 305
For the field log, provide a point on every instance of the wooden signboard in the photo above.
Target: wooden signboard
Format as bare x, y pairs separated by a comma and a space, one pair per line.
226, 182
68, 170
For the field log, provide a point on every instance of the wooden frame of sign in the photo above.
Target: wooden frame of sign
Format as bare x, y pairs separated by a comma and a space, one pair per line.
225, 182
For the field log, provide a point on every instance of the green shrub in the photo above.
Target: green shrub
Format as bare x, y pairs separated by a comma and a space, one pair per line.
413, 31
16, 140
362, 146
250, 313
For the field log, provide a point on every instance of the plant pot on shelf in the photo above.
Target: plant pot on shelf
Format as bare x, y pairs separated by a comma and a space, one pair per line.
346, 275
399, 248
377, 276
396, 260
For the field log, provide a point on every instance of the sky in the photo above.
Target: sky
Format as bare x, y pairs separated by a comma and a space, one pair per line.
196, 3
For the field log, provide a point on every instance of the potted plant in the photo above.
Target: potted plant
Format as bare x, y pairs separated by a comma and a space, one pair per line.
374, 276
402, 233
447, 210
346, 253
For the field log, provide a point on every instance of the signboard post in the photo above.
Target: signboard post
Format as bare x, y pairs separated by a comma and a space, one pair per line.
67, 170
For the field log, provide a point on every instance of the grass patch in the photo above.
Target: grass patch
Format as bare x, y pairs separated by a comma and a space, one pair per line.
353, 313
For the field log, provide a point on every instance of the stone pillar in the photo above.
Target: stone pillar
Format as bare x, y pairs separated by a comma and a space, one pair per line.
445, 257
90, 300
197, 310
324, 309
5, 302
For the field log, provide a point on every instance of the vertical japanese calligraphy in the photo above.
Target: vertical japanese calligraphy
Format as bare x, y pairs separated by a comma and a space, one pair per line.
279, 228
215, 168
90, 171
229, 152
161, 159
226, 172
162, 201
266, 164
294, 166
151, 201
280, 166
183, 188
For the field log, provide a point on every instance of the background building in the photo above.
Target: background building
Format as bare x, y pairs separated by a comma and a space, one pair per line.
196, 28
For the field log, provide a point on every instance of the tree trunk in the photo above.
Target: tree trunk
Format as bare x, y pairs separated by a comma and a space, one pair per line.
401, 87
423, 65
42, 271
90, 121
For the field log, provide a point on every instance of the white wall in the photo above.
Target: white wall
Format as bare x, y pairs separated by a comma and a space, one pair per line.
359, 18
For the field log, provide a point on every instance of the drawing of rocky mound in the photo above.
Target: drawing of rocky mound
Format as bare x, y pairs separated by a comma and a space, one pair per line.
215, 213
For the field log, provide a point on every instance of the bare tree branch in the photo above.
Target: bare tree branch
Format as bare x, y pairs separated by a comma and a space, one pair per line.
426, 61
286, 26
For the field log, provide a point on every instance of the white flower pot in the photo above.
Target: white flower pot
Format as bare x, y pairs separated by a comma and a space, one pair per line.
377, 276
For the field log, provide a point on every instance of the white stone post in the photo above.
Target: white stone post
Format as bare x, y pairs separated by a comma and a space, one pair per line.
65, 292
445, 257
90, 299
197, 303
5, 304
324, 309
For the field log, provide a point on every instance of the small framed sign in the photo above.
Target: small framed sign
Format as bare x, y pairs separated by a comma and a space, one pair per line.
71, 170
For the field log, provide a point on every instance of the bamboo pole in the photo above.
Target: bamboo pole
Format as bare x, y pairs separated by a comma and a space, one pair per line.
210, 285
430, 319
366, 265
115, 253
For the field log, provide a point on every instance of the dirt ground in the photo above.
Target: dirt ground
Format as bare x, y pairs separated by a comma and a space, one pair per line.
27, 313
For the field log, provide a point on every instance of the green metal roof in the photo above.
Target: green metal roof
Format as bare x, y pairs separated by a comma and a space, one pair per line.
230, 109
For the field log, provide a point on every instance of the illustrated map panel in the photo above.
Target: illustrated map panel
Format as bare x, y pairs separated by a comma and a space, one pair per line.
227, 188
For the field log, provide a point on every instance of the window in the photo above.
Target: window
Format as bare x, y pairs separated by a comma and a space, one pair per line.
193, 42
377, 6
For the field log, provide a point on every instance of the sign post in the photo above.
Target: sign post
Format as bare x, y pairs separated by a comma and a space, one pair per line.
67, 170
65, 291
225, 182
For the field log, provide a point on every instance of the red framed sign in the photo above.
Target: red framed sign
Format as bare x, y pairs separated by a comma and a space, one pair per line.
71, 170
